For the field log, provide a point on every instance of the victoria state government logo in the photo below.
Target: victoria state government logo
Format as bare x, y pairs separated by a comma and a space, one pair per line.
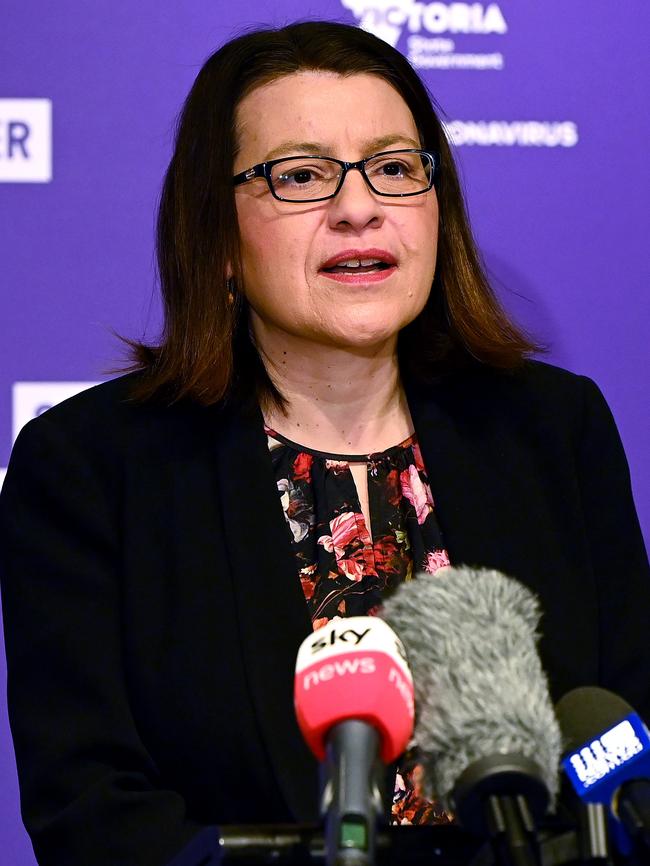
437, 32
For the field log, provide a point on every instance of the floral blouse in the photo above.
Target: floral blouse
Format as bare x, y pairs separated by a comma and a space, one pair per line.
345, 567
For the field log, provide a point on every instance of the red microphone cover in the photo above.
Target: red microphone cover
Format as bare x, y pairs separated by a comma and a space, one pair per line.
354, 668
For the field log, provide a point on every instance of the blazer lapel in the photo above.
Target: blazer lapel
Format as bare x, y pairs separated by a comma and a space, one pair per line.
271, 608
459, 470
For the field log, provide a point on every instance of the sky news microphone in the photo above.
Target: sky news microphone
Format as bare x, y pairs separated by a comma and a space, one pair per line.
489, 738
354, 703
607, 759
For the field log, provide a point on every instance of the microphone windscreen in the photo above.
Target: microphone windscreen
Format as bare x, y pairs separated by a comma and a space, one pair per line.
471, 641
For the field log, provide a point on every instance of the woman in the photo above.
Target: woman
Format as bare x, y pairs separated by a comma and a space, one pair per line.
333, 362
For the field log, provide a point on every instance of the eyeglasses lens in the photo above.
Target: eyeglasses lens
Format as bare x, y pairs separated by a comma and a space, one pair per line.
304, 178
396, 173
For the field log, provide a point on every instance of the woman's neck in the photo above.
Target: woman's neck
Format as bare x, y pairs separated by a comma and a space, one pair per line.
338, 400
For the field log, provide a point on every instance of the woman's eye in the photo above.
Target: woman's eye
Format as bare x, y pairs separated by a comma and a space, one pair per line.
302, 176
394, 169
397, 169
299, 176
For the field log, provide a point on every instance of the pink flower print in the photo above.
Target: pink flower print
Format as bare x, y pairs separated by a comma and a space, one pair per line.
344, 530
417, 493
326, 542
350, 542
352, 568
435, 560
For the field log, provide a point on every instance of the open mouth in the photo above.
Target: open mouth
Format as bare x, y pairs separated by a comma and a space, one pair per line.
358, 268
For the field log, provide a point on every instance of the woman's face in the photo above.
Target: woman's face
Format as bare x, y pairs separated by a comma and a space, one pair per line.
285, 245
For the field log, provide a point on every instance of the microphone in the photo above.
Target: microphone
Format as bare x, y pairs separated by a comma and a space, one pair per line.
607, 760
354, 704
486, 728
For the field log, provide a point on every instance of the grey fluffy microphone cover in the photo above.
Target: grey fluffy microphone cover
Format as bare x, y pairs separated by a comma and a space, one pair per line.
471, 640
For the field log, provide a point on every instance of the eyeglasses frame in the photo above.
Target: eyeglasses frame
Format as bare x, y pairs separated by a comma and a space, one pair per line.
263, 169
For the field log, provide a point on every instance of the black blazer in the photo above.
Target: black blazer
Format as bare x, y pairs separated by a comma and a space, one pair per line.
151, 628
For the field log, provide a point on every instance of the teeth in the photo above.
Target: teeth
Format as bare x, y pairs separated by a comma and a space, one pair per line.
359, 263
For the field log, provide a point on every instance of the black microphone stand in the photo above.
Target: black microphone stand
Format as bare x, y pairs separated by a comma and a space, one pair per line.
305, 845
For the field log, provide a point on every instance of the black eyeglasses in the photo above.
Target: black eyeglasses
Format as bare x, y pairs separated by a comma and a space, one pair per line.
317, 178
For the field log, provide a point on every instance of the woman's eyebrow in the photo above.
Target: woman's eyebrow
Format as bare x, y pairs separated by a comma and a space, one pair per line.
291, 147
313, 147
377, 144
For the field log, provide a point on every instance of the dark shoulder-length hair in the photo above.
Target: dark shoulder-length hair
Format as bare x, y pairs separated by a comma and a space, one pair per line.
205, 350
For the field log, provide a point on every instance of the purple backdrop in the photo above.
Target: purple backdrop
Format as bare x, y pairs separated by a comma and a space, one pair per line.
546, 102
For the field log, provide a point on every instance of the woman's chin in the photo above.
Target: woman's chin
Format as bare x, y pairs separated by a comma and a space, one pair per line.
363, 337
363, 331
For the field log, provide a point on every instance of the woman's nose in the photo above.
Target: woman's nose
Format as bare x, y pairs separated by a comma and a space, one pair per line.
355, 204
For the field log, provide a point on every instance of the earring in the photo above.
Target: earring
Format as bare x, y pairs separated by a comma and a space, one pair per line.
232, 289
